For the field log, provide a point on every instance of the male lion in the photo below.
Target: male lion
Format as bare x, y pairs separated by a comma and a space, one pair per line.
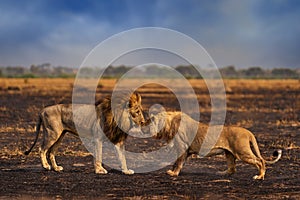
114, 122
234, 141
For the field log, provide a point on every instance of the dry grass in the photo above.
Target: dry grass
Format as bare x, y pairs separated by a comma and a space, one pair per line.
67, 83
262, 84
48, 84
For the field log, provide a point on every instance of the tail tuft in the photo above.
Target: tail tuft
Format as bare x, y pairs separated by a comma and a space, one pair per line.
277, 154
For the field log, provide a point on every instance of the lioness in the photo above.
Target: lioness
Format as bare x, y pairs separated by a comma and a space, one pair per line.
115, 123
234, 141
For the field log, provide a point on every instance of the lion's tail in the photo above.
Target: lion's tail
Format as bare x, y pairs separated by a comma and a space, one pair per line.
277, 153
37, 132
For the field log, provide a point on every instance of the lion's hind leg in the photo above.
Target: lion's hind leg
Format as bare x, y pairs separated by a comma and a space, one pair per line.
43, 154
260, 164
50, 138
231, 163
257, 162
52, 152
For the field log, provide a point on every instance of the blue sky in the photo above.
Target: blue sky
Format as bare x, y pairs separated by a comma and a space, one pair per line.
242, 33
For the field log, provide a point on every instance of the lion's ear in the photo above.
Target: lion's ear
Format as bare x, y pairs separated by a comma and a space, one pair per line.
139, 98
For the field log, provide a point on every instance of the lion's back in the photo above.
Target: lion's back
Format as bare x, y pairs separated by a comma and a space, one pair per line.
53, 112
66, 116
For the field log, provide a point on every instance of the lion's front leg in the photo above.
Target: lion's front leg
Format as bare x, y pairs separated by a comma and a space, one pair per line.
120, 148
99, 169
178, 165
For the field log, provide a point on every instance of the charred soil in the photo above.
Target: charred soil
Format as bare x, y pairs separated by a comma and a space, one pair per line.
269, 108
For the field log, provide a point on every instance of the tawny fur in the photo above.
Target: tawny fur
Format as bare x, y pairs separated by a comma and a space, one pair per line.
113, 122
236, 142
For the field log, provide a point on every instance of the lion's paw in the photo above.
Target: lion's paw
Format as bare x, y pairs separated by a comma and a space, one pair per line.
172, 173
101, 171
48, 167
58, 168
128, 172
258, 177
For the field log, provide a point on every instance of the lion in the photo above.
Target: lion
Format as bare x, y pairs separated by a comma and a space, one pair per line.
236, 142
115, 122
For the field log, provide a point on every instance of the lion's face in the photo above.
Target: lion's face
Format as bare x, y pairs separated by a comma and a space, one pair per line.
136, 109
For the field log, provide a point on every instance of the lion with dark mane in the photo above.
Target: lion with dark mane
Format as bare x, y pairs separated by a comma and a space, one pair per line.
111, 119
236, 142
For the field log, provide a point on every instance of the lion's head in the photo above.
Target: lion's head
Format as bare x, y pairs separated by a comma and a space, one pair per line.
160, 126
123, 111
135, 108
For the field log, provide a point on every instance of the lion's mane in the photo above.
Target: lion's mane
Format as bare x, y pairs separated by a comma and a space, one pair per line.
114, 129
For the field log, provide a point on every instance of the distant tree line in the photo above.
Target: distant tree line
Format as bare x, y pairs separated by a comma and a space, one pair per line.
35, 71
258, 72
47, 70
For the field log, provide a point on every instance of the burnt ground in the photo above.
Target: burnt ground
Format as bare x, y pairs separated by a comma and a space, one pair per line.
270, 112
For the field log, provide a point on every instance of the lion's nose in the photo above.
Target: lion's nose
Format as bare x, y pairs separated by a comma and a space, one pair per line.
145, 122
